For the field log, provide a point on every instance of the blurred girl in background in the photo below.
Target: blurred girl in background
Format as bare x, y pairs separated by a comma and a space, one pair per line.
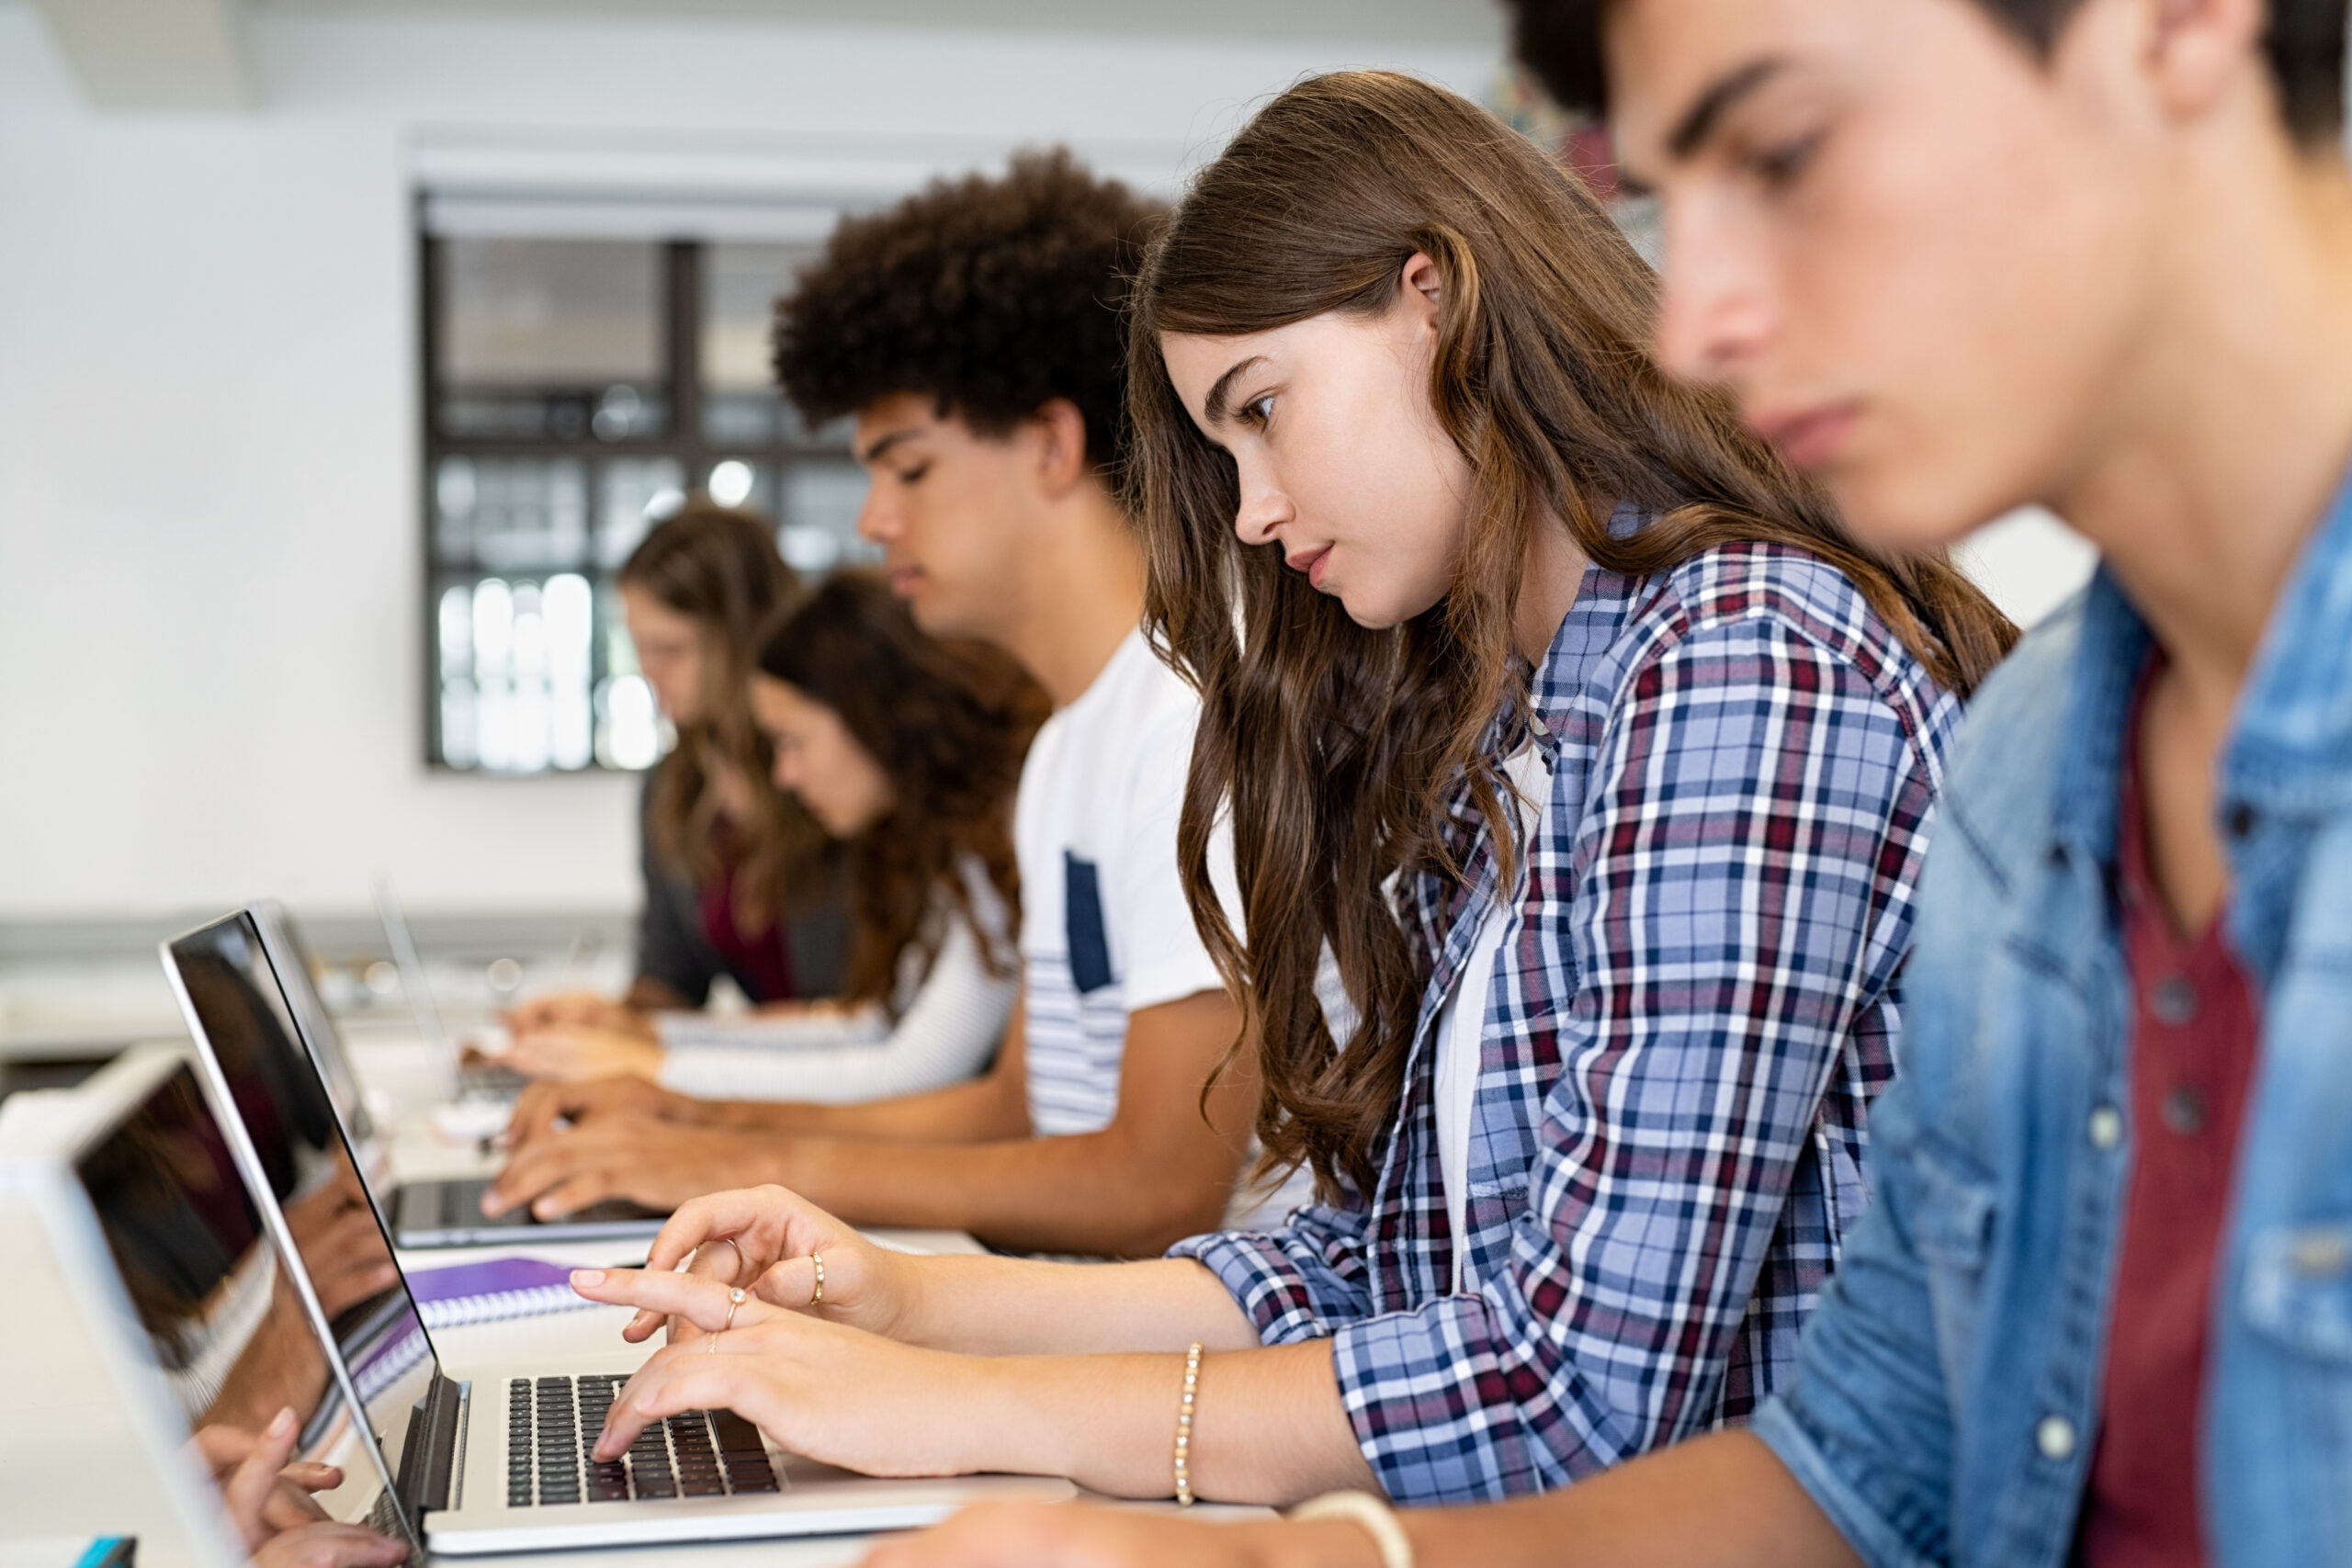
909, 751
737, 879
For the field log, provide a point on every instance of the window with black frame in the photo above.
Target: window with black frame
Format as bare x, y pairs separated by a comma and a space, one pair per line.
575, 389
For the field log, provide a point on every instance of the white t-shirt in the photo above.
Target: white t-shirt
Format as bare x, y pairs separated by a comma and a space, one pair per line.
1105, 928
1462, 1022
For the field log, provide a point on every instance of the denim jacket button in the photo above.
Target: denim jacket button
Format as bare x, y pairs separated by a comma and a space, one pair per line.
2054, 1436
2106, 1127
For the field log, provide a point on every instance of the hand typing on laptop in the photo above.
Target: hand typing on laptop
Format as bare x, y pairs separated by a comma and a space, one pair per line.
826, 1391
895, 1364
581, 1053
577, 1008
648, 1159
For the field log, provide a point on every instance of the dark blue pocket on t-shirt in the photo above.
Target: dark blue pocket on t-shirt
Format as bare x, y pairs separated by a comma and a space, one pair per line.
1090, 945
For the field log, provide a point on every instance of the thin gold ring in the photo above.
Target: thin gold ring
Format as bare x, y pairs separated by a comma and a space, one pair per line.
735, 1298
818, 1297
736, 1272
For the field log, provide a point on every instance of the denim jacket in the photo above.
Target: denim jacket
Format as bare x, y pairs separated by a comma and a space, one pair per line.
1945, 1401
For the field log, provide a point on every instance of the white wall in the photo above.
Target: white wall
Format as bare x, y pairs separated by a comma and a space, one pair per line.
208, 515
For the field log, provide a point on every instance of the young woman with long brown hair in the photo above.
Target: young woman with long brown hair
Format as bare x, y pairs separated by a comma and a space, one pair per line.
737, 882
908, 751
1577, 764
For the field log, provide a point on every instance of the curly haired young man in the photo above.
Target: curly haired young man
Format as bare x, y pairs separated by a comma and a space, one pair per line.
973, 332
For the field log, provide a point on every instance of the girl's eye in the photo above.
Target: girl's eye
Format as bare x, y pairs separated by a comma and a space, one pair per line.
1780, 166
1257, 411
909, 476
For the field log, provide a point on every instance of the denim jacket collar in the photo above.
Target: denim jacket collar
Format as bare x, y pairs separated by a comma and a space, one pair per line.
2290, 742
2291, 748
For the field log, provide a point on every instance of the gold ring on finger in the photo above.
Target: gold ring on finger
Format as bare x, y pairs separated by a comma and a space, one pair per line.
816, 1297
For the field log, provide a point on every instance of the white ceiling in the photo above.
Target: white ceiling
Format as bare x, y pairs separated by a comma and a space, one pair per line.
1465, 22
181, 55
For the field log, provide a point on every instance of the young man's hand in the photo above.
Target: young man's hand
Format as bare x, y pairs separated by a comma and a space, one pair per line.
553, 1110
645, 1159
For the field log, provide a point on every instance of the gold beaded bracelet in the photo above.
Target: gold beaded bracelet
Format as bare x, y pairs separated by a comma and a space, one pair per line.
1184, 1425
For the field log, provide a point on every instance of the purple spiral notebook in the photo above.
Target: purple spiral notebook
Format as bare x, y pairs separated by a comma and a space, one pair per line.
494, 1288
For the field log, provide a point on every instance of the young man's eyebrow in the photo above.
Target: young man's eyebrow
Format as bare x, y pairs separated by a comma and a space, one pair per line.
1698, 121
874, 454
1214, 409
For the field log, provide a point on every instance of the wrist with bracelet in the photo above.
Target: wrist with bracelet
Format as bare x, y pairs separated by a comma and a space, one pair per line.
1185, 1425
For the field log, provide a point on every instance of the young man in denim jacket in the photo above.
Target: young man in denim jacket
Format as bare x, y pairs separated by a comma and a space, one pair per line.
1956, 255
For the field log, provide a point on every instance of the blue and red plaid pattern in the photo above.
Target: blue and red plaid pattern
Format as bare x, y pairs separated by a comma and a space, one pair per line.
1695, 1003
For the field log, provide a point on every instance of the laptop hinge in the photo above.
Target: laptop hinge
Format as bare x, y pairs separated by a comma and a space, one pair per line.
428, 1456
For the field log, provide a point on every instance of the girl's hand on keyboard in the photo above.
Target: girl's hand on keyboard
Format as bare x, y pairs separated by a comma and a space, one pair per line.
837, 1394
778, 1236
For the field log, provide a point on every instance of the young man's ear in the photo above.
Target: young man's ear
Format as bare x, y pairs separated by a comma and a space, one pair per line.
2195, 53
1059, 432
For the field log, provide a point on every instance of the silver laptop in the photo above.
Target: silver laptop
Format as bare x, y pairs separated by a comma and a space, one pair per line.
442, 1212
499, 1462
173, 1292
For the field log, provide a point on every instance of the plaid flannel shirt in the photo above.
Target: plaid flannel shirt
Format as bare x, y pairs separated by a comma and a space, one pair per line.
1694, 1004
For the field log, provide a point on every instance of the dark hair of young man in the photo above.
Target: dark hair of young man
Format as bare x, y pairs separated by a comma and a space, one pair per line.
1560, 42
995, 294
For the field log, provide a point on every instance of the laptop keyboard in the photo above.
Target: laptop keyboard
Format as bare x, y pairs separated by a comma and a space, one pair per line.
551, 1426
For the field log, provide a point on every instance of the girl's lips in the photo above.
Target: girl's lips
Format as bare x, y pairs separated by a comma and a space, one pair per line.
1811, 439
1312, 564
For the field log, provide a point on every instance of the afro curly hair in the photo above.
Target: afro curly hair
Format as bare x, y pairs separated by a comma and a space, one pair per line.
993, 295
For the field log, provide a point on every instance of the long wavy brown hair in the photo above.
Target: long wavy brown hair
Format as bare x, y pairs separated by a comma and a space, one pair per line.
949, 721
719, 567
1334, 748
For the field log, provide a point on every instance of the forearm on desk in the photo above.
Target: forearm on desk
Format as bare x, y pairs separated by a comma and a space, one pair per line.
1720, 1501
1004, 1307
1094, 1192
1268, 1425
985, 1109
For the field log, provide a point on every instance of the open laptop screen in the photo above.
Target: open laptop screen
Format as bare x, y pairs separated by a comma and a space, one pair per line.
243, 1018
198, 1267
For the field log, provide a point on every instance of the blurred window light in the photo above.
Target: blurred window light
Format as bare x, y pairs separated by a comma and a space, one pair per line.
731, 482
558, 433
495, 727
457, 627
807, 548
632, 737
493, 626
